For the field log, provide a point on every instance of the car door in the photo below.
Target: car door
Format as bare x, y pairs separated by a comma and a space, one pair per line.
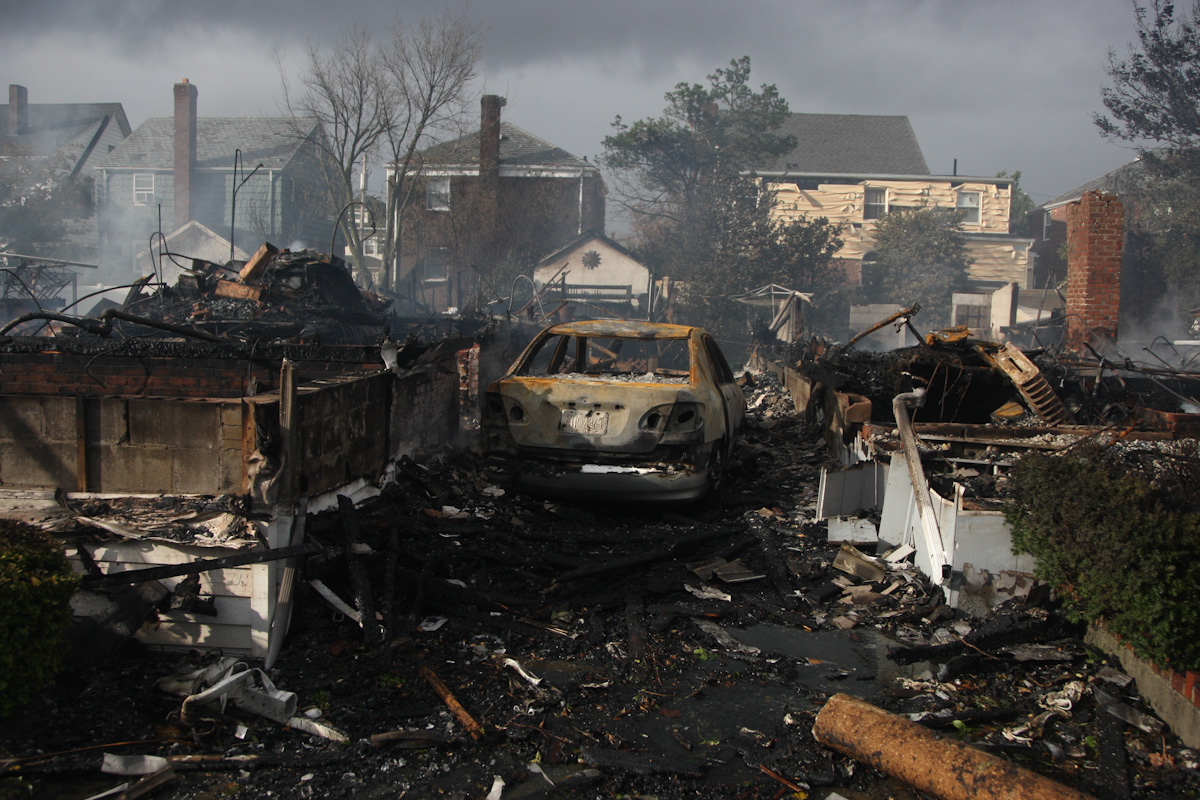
731, 393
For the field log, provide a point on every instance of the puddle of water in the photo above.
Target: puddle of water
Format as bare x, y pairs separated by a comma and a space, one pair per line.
852, 661
718, 725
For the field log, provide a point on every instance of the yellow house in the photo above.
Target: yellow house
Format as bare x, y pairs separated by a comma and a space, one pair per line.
853, 168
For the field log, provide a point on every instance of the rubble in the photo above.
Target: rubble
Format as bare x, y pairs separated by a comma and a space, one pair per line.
625, 683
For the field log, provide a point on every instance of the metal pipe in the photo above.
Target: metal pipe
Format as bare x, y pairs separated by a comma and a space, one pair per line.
89, 325
934, 765
57, 261
103, 327
940, 574
110, 314
906, 312
237, 159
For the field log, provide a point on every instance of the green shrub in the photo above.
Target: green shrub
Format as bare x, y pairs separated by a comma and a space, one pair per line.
36, 584
1118, 545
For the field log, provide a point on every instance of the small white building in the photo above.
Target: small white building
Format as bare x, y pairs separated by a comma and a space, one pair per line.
593, 273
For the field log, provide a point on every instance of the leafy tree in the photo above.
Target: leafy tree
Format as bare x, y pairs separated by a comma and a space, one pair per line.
392, 96
1155, 92
1020, 205
698, 216
1154, 103
920, 257
42, 205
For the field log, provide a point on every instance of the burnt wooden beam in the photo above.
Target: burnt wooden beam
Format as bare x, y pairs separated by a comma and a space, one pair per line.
203, 565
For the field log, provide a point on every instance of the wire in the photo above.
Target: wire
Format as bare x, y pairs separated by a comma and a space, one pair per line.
24, 286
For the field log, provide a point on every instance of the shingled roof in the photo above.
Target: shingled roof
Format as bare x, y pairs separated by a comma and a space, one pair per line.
1120, 180
518, 148
271, 141
849, 144
54, 125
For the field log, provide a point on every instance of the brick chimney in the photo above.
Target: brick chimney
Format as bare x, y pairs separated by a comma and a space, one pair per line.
185, 150
18, 109
1095, 239
489, 167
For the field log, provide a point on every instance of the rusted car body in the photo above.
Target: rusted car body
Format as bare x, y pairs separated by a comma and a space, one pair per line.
615, 408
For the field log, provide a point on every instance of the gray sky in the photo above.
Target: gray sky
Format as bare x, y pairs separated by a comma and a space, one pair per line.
997, 84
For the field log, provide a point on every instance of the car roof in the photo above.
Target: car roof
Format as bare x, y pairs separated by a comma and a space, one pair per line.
624, 329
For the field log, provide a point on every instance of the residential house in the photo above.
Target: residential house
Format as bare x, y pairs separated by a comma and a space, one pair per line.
852, 169
74, 137
1048, 222
593, 275
494, 202
81, 133
251, 179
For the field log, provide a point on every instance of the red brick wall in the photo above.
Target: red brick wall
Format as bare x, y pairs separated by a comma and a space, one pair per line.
1095, 238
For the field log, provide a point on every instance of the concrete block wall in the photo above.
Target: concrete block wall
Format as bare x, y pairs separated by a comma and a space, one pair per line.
343, 430
424, 414
115, 444
1095, 239
149, 422
48, 373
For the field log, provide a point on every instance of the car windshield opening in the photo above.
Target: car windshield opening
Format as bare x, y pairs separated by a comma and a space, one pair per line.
612, 358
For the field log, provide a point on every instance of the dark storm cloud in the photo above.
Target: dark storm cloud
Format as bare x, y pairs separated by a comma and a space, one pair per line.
996, 85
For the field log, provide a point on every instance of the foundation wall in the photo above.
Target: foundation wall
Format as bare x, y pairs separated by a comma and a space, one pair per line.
116, 444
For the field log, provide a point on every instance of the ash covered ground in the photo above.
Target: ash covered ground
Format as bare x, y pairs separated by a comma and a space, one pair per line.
599, 664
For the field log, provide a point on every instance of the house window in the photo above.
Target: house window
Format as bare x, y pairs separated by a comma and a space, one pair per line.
437, 194
143, 188
968, 205
976, 317
434, 268
875, 203
1047, 226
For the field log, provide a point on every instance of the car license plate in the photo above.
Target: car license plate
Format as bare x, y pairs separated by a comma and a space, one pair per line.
591, 423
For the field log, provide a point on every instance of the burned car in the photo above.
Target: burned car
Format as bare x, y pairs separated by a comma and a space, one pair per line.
615, 408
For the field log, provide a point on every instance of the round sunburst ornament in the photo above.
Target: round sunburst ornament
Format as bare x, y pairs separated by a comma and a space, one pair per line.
591, 259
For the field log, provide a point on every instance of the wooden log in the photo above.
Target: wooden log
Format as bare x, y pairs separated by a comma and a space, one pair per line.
468, 722
944, 768
238, 291
258, 263
364, 600
411, 740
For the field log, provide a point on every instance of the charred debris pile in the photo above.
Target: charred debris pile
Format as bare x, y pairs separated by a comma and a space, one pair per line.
455, 640
301, 297
985, 403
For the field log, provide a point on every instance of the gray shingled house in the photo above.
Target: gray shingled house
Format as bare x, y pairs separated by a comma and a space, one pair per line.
70, 138
82, 133
495, 201
180, 169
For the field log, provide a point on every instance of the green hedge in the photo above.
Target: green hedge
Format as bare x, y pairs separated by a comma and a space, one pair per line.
1118, 544
36, 584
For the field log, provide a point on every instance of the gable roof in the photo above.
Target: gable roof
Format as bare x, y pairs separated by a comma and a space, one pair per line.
1121, 179
53, 125
52, 128
518, 148
849, 144
271, 141
581, 240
